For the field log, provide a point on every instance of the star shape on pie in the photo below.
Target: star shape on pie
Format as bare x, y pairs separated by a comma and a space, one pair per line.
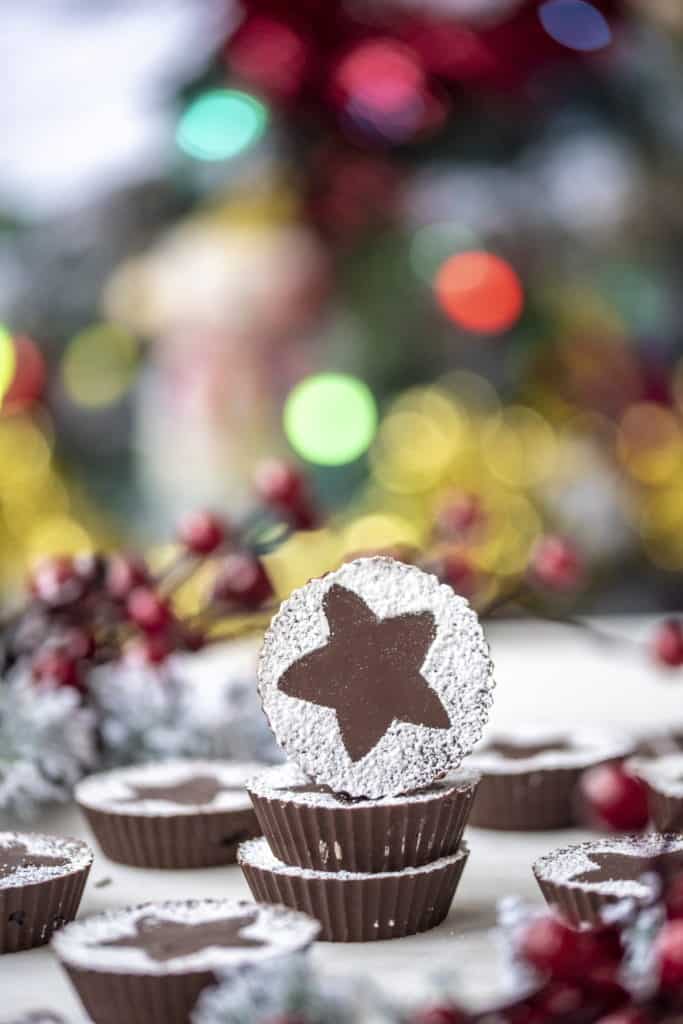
163, 939
368, 672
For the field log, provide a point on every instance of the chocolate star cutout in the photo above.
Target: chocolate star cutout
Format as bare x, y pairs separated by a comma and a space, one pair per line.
17, 856
165, 940
611, 866
369, 672
199, 790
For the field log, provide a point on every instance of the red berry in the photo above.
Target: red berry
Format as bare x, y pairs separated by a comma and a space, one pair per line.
440, 1015
668, 644
155, 648
78, 643
457, 571
202, 533
554, 948
124, 573
193, 640
674, 898
147, 610
556, 564
277, 483
458, 515
560, 998
55, 582
615, 798
627, 1015
669, 949
53, 665
242, 580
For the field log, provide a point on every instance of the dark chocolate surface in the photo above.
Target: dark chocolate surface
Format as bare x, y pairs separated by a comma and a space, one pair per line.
512, 751
612, 866
17, 856
194, 792
369, 672
165, 940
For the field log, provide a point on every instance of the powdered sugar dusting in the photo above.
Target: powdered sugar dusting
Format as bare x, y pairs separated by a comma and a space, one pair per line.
77, 853
586, 747
276, 784
664, 774
258, 854
563, 865
457, 666
281, 930
113, 791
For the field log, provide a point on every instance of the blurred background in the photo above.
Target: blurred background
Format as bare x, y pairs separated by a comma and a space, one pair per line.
430, 250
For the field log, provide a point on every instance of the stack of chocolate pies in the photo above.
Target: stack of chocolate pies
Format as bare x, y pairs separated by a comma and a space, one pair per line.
376, 680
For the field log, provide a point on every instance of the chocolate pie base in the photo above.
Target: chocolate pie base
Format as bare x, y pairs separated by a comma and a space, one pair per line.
307, 826
31, 911
663, 779
357, 907
582, 881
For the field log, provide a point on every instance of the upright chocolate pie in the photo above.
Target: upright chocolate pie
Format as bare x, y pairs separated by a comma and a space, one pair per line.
663, 777
529, 777
581, 881
172, 814
149, 964
376, 680
41, 883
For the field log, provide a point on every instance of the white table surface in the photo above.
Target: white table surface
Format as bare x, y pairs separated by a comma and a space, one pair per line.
543, 672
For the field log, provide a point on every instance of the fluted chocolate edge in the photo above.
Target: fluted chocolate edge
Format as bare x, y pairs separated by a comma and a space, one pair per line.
666, 811
195, 840
575, 905
366, 839
363, 909
111, 998
527, 801
29, 914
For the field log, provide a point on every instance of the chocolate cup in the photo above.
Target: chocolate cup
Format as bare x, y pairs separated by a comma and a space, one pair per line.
666, 810
139, 998
363, 908
578, 907
29, 914
527, 801
197, 840
365, 837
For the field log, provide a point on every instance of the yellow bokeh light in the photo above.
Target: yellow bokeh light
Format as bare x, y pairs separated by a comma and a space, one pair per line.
650, 443
99, 365
513, 526
58, 535
471, 391
24, 451
303, 555
519, 446
379, 531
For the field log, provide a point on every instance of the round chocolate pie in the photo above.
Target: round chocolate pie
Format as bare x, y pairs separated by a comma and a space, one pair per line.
172, 814
581, 881
41, 883
149, 964
529, 777
663, 777
307, 825
354, 906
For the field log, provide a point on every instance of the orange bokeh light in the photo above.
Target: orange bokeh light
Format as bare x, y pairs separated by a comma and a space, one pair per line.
480, 292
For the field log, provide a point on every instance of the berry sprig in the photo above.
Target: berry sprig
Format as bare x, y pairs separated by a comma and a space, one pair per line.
85, 611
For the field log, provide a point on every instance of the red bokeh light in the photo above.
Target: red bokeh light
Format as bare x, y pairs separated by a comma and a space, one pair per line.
480, 292
28, 382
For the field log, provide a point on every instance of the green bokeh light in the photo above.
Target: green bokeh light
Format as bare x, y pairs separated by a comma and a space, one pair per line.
220, 124
8, 361
330, 418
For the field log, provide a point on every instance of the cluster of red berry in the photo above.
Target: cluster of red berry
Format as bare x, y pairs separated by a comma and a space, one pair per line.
90, 609
581, 977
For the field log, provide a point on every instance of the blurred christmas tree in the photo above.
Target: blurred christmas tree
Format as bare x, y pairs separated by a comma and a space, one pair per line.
429, 246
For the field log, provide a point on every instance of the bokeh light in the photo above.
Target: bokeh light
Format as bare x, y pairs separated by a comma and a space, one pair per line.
650, 443
7, 361
99, 365
479, 291
519, 446
330, 418
576, 24
221, 124
58, 535
432, 244
28, 380
379, 531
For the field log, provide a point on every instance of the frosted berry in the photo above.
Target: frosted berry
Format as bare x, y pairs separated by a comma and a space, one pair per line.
439, 1015
147, 610
458, 515
202, 533
277, 483
124, 573
615, 798
668, 644
556, 564
55, 666
554, 948
242, 580
55, 582
669, 950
